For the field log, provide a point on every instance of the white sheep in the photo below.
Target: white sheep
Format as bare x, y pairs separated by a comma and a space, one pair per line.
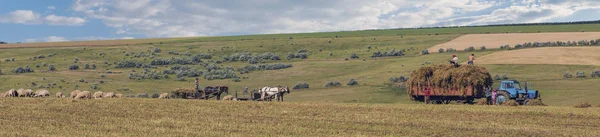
108, 95
164, 96
228, 97
60, 95
119, 95
42, 93
10, 93
74, 93
97, 95
84, 95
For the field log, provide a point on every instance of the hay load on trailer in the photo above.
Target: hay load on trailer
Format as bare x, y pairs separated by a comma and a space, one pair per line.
449, 83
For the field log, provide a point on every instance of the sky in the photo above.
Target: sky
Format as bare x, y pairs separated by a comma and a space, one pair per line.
77, 20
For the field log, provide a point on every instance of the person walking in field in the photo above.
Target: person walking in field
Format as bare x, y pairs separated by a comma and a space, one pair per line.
197, 87
245, 91
488, 96
427, 93
471, 59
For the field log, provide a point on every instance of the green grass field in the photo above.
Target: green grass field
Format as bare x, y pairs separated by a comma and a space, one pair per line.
372, 73
152, 117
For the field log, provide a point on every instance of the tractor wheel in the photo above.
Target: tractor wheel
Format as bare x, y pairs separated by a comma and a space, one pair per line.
502, 97
526, 102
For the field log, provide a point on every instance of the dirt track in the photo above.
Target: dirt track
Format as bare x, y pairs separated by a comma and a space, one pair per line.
554, 55
496, 40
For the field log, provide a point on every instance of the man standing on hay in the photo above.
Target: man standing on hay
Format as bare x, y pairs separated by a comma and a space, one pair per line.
454, 60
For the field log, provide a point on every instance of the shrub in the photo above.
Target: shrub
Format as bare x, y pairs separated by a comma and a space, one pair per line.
142, 95
76, 60
483, 48
94, 66
86, 66
580, 74
275, 66
497, 77
7, 60
352, 82
470, 49
450, 50
302, 51
332, 84
398, 79
95, 87
180, 79
301, 55
37, 65
582, 105
20, 70
441, 50
504, 76
74, 67
424, 52
354, 56
12, 59
219, 74
202, 56
595, 73
505, 47
155, 50
236, 79
252, 61
155, 95
102, 76
275, 57
567, 75
301, 86
290, 56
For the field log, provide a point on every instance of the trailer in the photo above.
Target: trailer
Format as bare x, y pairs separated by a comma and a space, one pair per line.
439, 95
207, 93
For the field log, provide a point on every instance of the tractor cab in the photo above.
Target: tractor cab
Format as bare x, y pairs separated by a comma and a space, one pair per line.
514, 90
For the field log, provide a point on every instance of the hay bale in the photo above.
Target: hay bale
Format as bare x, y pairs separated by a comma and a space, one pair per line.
536, 102
511, 103
583, 105
448, 76
228, 97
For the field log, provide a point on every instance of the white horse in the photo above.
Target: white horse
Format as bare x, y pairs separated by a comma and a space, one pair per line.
277, 91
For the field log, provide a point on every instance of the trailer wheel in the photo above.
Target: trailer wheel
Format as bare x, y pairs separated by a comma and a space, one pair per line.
502, 97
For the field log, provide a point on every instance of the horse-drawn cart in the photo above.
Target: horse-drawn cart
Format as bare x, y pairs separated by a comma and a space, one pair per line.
207, 93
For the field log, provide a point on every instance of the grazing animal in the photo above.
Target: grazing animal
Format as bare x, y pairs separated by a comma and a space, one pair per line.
108, 95
84, 95
23, 93
228, 97
164, 96
273, 91
60, 95
97, 95
119, 95
42, 93
74, 93
10, 93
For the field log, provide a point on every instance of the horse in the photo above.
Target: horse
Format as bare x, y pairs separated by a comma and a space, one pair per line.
276, 91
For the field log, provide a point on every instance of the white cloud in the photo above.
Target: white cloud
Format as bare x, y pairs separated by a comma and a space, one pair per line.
51, 8
31, 17
127, 38
62, 20
55, 39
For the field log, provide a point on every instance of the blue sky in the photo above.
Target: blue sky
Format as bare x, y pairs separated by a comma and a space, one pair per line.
75, 20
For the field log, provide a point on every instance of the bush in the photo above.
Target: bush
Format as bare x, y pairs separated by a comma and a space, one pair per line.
252, 61
94, 66
583, 105
219, 74
290, 56
74, 67
470, 49
236, 79
102, 76
155, 95
180, 79
301, 86
483, 48
76, 60
441, 50
497, 77
505, 47
301, 55
20, 70
86, 66
580, 74
95, 87
155, 50
595, 73
352, 82
142, 95
37, 65
504, 76
275, 57
450, 50
424, 52
302, 51
354, 56
332, 84
398, 79
275, 66
567, 75
12, 59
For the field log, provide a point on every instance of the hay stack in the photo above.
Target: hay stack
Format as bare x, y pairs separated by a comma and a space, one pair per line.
448, 76
184, 92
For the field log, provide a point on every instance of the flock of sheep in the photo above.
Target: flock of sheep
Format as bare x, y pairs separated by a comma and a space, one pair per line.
74, 94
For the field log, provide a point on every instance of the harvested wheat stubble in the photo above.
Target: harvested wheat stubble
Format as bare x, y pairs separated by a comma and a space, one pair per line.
448, 76
497, 40
550, 55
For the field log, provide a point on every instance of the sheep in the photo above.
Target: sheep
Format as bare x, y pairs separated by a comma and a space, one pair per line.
29, 92
97, 95
74, 93
23, 92
164, 96
59, 95
108, 95
228, 97
119, 95
84, 95
10, 93
42, 93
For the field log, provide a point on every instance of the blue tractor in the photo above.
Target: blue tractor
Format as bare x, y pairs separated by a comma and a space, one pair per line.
512, 90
